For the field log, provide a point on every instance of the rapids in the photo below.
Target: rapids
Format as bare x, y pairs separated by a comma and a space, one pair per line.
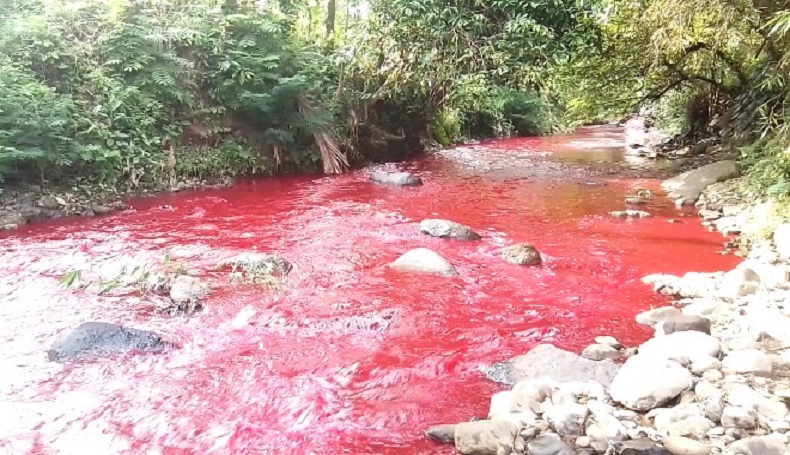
345, 357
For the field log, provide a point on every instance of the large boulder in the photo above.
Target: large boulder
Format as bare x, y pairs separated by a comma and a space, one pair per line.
681, 346
395, 178
448, 230
548, 361
485, 437
692, 183
646, 382
522, 254
423, 260
93, 339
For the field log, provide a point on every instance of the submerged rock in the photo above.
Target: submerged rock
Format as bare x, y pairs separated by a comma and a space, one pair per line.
423, 260
448, 230
101, 338
395, 178
630, 214
557, 364
522, 254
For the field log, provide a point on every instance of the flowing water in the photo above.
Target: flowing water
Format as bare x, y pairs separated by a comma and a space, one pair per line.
346, 356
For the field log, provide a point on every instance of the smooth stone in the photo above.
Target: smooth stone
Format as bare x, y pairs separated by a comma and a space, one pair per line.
601, 352
704, 307
641, 446
773, 444
738, 283
738, 417
548, 444
395, 178
501, 403
91, 339
485, 437
448, 230
679, 445
567, 419
424, 260
746, 397
664, 417
681, 346
690, 184
609, 341
442, 433
652, 317
695, 427
630, 214
702, 364
684, 322
604, 429
748, 361
713, 375
548, 361
646, 382
522, 254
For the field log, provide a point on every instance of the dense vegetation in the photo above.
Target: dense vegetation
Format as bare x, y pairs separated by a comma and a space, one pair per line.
140, 93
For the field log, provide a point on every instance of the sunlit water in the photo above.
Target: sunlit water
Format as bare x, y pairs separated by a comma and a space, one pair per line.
345, 357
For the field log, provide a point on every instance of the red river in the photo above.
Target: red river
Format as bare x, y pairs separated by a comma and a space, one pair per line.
347, 356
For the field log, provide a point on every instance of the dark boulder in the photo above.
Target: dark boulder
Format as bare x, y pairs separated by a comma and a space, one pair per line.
100, 338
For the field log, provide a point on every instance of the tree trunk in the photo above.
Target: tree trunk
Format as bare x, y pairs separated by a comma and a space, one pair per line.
331, 10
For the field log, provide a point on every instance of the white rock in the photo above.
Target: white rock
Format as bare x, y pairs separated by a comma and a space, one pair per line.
501, 404
656, 315
712, 375
738, 417
424, 260
601, 352
187, 289
567, 419
695, 427
679, 445
646, 382
604, 429
701, 364
747, 361
681, 346
782, 240
664, 417
746, 397
522, 419
533, 389
690, 184
609, 341
738, 283
485, 437
705, 307
773, 444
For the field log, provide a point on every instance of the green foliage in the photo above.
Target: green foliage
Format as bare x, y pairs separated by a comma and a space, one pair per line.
33, 123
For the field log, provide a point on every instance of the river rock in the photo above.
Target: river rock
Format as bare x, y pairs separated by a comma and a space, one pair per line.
681, 346
609, 341
603, 429
567, 419
747, 361
695, 427
102, 209
782, 240
746, 397
701, 364
652, 317
641, 446
395, 178
684, 323
549, 444
186, 289
630, 214
679, 445
738, 283
548, 361
601, 352
522, 254
424, 260
738, 417
772, 444
485, 437
703, 307
442, 433
100, 339
690, 184
664, 417
448, 230
646, 382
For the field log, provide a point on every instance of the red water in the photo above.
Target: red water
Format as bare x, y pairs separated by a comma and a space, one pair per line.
347, 357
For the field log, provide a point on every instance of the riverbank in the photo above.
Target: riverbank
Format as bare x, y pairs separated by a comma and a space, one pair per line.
714, 378
23, 204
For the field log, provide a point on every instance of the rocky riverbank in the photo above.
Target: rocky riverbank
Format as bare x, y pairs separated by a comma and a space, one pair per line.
714, 379
24, 204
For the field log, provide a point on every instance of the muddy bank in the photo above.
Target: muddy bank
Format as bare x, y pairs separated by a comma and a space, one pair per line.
23, 204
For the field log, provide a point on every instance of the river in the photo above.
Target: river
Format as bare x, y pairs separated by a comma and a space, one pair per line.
346, 356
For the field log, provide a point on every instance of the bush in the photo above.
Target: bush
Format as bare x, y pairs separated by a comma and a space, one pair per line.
34, 125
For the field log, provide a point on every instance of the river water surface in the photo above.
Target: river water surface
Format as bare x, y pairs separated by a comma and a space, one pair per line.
346, 356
